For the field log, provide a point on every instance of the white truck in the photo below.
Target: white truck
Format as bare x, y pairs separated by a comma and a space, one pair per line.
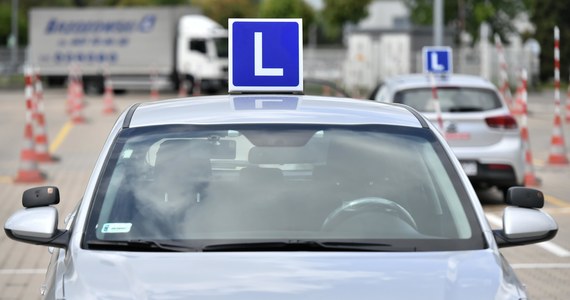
138, 47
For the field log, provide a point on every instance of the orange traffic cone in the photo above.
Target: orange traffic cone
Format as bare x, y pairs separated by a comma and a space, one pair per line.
108, 105
74, 89
77, 112
567, 111
70, 94
76, 104
530, 178
80, 92
557, 154
41, 139
504, 89
506, 92
436, 103
29, 172
518, 105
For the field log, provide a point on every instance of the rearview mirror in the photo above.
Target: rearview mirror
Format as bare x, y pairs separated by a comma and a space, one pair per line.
223, 149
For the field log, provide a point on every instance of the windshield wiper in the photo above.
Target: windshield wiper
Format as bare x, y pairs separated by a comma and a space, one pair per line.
305, 245
279, 245
140, 245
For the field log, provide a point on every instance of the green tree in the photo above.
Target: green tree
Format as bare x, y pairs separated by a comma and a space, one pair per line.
289, 9
337, 13
546, 15
6, 25
221, 10
141, 2
469, 14
6, 22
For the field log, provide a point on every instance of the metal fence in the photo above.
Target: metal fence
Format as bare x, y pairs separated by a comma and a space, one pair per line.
324, 63
11, 62
473, 60
334, 64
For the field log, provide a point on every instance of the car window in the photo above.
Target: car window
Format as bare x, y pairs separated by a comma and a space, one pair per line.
283, 182
198, 45
221, 47
381, 94
451, 99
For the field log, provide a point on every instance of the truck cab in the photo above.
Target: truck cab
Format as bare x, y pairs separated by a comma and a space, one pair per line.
202, 53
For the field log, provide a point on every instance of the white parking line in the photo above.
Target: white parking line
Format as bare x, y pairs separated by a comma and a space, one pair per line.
559, 251
21, 271
548, 246
553, 211
540, 266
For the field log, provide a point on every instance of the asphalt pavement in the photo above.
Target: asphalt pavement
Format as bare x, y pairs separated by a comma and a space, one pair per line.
22, 266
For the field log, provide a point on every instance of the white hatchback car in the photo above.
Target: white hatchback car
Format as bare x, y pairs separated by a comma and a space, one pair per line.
477, 123
278, 197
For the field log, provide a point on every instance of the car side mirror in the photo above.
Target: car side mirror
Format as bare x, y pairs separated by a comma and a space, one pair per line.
525, 224
37, 223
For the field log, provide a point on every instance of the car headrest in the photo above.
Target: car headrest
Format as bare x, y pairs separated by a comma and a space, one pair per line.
182, 160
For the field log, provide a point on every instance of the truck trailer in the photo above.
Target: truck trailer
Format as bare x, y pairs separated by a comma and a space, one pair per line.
138, 48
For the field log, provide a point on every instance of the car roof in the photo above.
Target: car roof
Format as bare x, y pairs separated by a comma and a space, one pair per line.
272, 109
423, 80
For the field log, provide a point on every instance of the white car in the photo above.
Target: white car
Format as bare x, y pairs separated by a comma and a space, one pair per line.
277, 197
477, 123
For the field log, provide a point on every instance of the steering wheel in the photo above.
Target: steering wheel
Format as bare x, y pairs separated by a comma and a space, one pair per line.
364, 205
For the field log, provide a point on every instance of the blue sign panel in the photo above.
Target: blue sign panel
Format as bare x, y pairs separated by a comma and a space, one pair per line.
437, 60
265, 103
265, 55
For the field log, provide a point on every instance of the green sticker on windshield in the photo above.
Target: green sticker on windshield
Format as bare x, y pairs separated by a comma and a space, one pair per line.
116, 227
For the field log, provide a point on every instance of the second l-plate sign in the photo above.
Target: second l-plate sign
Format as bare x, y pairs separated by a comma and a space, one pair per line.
437, 60
265, 55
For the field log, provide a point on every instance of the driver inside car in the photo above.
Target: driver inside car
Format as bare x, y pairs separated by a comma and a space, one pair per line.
181, 175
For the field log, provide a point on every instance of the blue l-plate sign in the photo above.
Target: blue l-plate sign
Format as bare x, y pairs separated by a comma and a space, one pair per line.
437, 60
265, 55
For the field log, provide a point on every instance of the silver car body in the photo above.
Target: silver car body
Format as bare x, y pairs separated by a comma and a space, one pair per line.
79, 273
270, 275
471, 139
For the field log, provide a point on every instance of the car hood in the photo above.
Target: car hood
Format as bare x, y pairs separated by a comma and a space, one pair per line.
285, 275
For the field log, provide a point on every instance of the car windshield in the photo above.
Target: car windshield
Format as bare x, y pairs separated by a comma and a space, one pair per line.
281, 183
221, 47
451, 99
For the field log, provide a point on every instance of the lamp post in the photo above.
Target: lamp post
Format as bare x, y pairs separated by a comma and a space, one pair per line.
438, 23
13, 42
